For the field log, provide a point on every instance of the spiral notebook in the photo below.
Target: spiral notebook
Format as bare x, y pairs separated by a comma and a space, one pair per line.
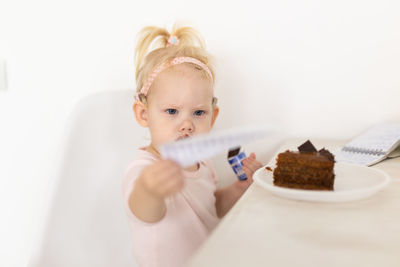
376, 144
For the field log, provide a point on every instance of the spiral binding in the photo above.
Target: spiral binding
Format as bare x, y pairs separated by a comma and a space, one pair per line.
376, 152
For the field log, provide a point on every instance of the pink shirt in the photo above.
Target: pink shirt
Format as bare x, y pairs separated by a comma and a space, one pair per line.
191, 216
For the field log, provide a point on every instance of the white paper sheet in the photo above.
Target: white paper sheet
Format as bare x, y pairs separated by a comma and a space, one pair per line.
189, 151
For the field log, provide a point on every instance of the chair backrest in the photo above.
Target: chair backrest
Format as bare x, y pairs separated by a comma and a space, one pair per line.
86, 224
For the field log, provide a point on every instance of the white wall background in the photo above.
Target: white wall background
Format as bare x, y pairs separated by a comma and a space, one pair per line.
314, 68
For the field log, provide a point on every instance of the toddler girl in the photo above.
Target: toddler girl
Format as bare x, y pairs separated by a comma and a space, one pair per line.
172, 209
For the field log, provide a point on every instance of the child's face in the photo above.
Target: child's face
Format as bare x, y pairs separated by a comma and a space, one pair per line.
179, 105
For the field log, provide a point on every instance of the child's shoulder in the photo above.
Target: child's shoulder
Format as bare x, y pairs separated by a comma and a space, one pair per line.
141, 159
143, 154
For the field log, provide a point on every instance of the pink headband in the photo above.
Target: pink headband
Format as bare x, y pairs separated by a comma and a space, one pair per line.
160, 68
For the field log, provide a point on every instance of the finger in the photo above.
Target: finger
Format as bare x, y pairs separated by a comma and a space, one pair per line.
159, 181
168, 164
251, 158
169, 176
255, 162
255, 165
248, 172
165, 187
245, 161
167, 167
172, 186
252, 164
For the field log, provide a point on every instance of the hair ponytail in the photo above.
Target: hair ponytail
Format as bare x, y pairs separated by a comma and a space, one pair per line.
146, 38
188, 36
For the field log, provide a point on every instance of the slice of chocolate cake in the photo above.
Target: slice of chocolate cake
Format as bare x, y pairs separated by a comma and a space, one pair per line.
305, 169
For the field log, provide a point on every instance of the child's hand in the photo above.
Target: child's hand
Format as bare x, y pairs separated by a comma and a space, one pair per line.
163, 178
250, 165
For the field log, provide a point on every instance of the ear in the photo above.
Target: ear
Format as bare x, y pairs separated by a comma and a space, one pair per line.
215, 115
140, 111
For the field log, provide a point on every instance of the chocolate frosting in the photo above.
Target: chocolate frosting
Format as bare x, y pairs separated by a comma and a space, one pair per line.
324, 152
307, 147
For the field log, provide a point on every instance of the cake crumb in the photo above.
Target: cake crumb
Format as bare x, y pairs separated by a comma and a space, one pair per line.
268, 168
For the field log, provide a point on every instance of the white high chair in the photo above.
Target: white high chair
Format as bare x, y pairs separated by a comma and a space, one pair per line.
85, 224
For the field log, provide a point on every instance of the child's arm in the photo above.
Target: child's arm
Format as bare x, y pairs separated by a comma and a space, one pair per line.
156, 181
226, 197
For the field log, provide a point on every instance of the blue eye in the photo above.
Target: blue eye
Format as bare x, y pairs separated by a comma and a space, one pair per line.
199, 112
171, 111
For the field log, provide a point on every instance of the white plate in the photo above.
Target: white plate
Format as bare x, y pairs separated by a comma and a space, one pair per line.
352, 182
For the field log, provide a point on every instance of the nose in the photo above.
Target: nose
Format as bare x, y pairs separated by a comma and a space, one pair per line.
186, 126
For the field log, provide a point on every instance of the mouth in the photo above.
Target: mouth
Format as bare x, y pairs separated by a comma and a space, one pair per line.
182, 137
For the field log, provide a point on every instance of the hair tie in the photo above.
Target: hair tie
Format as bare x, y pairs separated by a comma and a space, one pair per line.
172, 40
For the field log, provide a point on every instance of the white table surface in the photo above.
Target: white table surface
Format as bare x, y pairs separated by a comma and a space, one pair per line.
266, 230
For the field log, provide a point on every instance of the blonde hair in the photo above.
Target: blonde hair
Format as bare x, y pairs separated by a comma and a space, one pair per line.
153, 49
